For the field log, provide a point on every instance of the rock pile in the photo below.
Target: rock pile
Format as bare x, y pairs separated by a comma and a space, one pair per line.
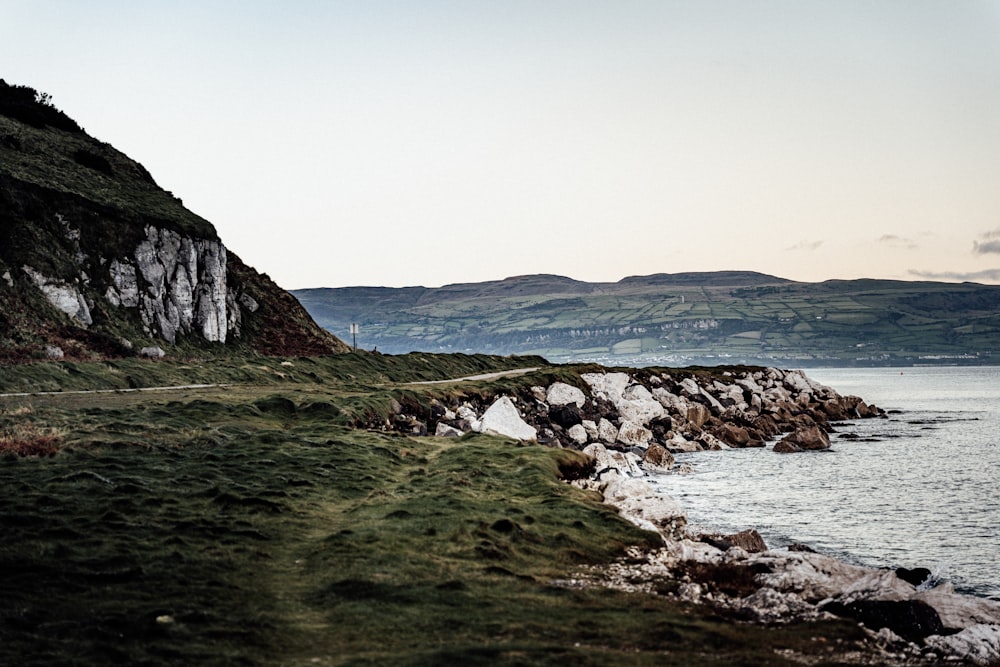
677, 411
633, 423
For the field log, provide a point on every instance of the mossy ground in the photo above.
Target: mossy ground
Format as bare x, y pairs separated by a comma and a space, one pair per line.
245, 525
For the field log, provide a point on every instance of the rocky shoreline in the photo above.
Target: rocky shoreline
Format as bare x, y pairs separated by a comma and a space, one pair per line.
632, 423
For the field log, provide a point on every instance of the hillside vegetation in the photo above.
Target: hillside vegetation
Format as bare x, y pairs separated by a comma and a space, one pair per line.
98, 261
721, 317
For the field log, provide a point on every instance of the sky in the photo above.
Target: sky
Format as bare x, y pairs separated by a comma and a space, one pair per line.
336, 143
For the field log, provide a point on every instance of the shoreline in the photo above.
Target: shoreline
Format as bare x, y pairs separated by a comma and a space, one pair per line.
631, 423
748, 582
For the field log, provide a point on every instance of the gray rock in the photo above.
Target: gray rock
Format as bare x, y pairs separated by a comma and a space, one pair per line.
124, 287
249, 303
152, 352
184, 286
978, 643
445, 431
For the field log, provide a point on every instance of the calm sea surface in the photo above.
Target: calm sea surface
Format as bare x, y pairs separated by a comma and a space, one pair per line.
918, 489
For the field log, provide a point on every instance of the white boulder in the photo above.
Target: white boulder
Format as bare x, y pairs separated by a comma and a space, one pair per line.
445, 431
639, 502
561, 393
606, 431
609, 385
502, 418
621, 464
633, 434
578, 434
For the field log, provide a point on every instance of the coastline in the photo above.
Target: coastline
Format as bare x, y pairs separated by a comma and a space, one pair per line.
632, 423
907, 617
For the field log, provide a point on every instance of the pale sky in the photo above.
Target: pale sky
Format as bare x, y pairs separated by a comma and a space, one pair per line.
431, 142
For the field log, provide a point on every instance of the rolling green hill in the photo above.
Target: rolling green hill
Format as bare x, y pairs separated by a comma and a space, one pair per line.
717, 317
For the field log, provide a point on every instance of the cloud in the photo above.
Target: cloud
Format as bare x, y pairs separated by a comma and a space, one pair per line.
989, 243
982, 248
805, 245
897, 241
987, 275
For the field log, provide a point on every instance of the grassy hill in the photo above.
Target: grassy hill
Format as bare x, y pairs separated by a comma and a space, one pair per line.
731, 317
98, 261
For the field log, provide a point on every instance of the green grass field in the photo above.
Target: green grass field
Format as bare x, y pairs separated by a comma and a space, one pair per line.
247, 525
892, 322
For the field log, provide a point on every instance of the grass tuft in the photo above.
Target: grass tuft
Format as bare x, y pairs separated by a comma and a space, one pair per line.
26, 439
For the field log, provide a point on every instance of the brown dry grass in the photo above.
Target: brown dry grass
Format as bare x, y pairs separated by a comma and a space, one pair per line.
27, 439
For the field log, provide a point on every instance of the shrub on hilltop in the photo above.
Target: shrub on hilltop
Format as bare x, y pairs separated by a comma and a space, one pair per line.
33, 108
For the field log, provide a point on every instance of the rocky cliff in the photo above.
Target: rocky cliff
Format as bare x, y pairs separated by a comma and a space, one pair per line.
97, 260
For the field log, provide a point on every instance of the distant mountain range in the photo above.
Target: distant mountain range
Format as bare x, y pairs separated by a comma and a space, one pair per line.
684, 318
97, 261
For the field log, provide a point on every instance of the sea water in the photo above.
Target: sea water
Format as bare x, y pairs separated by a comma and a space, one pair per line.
916, 489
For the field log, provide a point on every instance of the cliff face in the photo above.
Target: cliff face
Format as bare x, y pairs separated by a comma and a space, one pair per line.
97, 260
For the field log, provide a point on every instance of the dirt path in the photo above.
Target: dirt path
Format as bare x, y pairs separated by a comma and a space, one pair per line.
182, 387
25, 394
484, 376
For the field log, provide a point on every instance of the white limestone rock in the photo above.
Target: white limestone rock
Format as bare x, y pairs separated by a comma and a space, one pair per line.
634, 402
709, 442
678, 443
748, 383
502, 418
578, 434
769, 606
591, 427
672, 402
798, 381
636, 498
124, 288
63, 296
978, 643
816, 577
184, 286
690, 387
607, 385
620, 464
561, 393
606, 431
633, 434
638, 405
